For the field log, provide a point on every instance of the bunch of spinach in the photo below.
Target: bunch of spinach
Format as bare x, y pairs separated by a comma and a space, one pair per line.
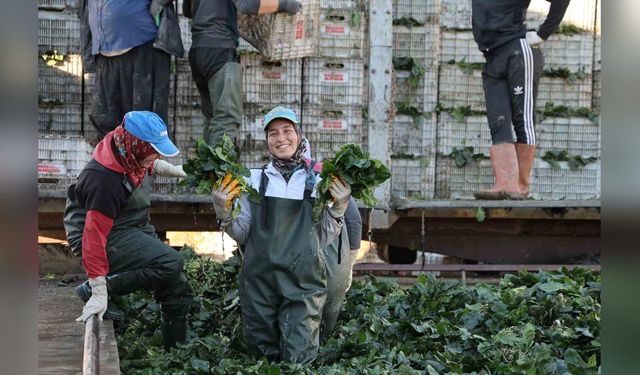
212, 164
357, 168
529, 323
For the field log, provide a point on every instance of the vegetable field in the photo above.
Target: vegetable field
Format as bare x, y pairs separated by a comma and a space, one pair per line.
530, 323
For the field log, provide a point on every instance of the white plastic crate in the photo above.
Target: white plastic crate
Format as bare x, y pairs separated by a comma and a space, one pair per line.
472, 132
414, 136
580, 13
456, 88
573, 52
597, 92
427, 11
329, 128
60, 160
271, 81
412, 178
295, 36
577, 135
60, 83
456, 14
330, 81
341, 33
564, 183
453, 182
423, 96
189, 126
58, 31
186, 93
560, 92
421, 43
459, 46
52, 4
59, 119
340, 4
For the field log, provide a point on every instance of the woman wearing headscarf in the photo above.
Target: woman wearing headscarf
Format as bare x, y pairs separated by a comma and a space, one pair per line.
283, 282
107, 223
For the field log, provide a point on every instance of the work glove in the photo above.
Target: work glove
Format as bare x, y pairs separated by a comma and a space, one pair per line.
155, 9
533, 39
97, 304
341, 192
223, 196
164, 168
290, 7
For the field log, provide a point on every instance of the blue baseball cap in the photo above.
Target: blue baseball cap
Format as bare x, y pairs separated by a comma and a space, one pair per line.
279, 112
149, 127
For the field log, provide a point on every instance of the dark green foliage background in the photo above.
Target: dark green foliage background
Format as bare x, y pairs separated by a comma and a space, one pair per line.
531, 323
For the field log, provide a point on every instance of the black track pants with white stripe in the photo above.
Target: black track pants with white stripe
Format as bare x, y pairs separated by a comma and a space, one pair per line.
510, 80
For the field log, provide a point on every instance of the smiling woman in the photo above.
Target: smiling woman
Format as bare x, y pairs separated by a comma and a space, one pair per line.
283, 283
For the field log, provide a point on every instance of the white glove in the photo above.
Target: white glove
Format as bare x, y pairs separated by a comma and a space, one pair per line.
164, 168
97, 304
341, 192
223, 195
533, 39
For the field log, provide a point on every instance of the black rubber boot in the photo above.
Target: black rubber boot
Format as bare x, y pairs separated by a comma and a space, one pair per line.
174, 331
84, 292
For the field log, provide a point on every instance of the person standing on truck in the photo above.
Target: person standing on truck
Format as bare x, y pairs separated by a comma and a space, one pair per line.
214, 60
340, 261
128, 45
106, 220
510, 78
283, 281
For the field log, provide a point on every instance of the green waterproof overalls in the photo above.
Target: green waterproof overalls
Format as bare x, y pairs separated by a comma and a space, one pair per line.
338, 258
138, 259
283, 281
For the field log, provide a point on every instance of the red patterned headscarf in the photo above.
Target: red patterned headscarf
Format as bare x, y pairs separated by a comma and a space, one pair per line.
132, 152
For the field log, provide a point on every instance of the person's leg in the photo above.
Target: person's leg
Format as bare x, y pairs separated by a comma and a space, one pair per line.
338, 282
225, 91
524, 71
299, 319
259, 304
112, 91
140, 261
502, 152
150, 80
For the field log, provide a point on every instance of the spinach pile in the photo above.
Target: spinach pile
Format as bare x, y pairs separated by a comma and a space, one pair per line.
353, 165
530, 323
213, 164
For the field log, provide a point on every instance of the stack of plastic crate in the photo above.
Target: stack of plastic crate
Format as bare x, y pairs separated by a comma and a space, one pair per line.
568, 80
185, 107
460, 75
59, 70
462, 122
415, 48
456, 14
334, 79
60, 160
266, 84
